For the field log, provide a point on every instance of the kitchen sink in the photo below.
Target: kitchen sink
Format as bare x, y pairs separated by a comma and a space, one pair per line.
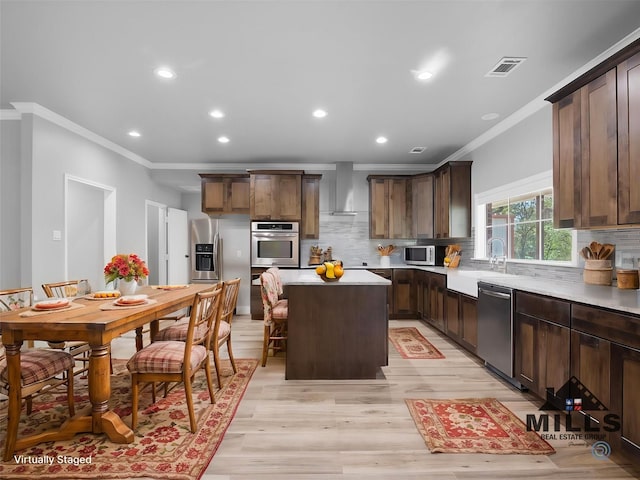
466, 281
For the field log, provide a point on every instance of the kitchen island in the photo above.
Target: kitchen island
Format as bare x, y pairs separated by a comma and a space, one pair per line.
337, 330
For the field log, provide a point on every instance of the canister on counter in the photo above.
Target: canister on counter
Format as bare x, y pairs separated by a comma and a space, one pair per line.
628, 279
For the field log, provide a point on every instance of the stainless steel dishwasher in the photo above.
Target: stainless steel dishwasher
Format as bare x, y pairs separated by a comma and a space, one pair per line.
496, 339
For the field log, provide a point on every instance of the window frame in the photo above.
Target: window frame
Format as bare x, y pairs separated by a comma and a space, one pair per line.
529, 185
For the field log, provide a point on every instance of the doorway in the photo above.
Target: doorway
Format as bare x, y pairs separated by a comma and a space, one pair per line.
167, 244
90, 229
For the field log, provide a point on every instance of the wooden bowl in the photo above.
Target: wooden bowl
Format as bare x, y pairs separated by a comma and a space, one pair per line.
327, 279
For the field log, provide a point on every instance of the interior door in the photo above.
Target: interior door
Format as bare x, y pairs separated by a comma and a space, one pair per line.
177, 246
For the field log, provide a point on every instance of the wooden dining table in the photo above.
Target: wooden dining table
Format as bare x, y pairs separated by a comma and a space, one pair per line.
97, 326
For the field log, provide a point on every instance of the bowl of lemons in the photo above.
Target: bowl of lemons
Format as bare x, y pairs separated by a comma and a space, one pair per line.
330, 271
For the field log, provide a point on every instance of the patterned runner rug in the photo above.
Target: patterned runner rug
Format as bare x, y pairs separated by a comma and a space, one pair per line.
410, 343
481, 425
163, 448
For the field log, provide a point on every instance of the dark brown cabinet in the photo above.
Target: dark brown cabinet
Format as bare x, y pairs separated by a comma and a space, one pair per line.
585, 156
276, 195
225, 193
461, 312
452, 200
625, 372
596, 145
599, 170
469, 322
404, 293
388, 274
437, 293
390, 211
629, 140
310, 225
422, 203
542, 338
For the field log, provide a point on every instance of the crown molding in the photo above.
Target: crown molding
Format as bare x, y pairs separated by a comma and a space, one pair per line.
231, 167
42, 112
6, 114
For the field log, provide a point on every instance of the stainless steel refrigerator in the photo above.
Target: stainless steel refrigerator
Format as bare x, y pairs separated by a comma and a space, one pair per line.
206, 251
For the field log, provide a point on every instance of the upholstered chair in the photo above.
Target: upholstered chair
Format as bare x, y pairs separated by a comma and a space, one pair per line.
276, 311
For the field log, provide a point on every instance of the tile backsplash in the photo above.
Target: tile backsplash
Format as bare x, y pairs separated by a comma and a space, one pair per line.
348, 236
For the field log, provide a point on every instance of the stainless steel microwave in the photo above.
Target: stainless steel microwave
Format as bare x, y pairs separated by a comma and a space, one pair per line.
424, 255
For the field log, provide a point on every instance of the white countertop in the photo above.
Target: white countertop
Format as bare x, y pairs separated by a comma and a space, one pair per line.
595, 295
350, 277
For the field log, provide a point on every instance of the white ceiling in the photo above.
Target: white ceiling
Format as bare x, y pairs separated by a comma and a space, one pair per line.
269, 64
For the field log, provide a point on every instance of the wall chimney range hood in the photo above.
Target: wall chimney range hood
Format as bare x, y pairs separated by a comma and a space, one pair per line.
344, 189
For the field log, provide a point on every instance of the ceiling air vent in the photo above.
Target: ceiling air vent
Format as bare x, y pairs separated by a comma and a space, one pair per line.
505, 66
417, 150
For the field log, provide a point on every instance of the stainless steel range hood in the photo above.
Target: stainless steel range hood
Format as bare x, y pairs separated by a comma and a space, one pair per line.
344, 189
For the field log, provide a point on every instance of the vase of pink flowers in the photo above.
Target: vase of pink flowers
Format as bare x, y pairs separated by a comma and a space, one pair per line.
128, 269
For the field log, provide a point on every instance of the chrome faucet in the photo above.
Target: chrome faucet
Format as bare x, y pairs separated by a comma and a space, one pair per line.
495, 262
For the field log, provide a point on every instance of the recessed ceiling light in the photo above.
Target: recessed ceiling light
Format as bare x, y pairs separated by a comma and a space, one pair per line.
216, 113
490, 116
223, 139
424, 75
381, 140
134, 133
165, 72
319, 113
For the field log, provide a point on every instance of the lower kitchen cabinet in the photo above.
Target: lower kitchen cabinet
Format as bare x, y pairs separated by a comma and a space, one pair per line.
404, 293
255, 301
437, 293
388, 274
591, 365
462, 319
469, 322
625, 395
605, 357
542, 342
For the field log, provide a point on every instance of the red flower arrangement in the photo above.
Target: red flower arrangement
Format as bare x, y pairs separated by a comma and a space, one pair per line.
125, 266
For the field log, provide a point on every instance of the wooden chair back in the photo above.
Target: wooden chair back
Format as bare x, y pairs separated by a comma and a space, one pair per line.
64, 289
16, 298
205, 312
230, 299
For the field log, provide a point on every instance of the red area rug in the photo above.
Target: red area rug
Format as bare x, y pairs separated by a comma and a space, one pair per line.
163, 448
410, 343
481, 425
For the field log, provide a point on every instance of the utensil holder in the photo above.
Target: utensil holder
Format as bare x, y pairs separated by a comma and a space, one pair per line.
598, 272
385, 261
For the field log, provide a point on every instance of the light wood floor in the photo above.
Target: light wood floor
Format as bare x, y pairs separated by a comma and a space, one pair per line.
330, 430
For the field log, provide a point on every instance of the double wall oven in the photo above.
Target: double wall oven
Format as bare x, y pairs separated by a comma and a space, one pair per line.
275, 244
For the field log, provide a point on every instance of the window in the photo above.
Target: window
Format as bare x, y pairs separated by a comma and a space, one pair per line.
520, 225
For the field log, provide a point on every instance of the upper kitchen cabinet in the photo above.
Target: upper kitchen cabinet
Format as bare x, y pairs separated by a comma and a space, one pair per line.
452, 200
422, 193
390, 212
596, 145
225, 193
629, 140
276, 195
310, 226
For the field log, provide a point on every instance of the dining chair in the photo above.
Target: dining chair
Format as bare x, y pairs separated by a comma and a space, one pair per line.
221, 333
80, 350
41, 370
179, 361
276, 313
15, 299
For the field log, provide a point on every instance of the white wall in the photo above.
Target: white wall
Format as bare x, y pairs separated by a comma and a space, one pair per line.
10, 204
49, 152
522, 151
